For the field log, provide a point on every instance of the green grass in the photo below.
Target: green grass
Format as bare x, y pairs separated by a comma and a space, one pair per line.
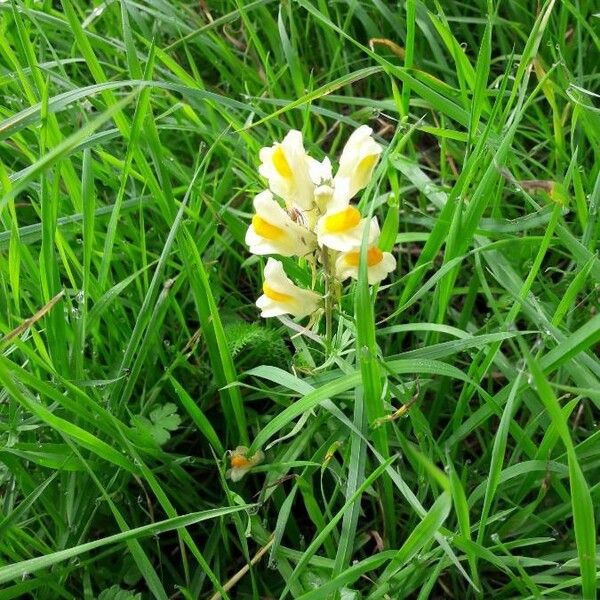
133, 358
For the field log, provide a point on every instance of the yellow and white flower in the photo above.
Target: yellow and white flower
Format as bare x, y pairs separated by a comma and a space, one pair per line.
322, 177
342, 229
281, 296
241, 463
317, 213
273, 231
379, 264
320, 172
358, 160
285, 165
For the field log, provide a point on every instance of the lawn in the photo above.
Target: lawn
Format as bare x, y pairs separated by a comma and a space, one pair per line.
411, 407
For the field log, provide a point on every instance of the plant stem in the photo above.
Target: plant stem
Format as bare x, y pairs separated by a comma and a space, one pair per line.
329, 294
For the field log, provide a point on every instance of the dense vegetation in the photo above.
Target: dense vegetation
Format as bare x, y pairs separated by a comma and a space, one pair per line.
444, 444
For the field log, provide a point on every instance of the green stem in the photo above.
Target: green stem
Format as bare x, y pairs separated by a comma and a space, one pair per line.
329, 294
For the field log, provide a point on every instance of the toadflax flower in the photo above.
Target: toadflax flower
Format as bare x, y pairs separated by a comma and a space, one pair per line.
273, 231
342, 229
379, 264
317, 223
358, 160
321, 175
286, 168
320, 172
241, 463
281, 296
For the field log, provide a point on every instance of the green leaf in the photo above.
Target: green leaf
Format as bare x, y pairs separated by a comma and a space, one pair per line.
117, 593
18, 569
581, 500
163, 420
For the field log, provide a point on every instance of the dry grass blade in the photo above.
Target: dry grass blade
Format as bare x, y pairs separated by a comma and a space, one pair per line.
27, 323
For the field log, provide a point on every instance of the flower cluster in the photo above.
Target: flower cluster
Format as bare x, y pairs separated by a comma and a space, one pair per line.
315, 221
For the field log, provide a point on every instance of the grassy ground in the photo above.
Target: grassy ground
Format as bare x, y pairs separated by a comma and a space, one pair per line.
133, 357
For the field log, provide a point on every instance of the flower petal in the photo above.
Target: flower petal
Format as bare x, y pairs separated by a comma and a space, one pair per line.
286, 168
358, 160
281, 296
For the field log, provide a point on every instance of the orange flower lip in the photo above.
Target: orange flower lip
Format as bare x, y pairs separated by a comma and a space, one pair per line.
374, 257
238, 461
343, 220
265, 229
269, 292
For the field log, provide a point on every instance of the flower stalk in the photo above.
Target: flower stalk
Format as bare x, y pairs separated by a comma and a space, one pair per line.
329, 299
